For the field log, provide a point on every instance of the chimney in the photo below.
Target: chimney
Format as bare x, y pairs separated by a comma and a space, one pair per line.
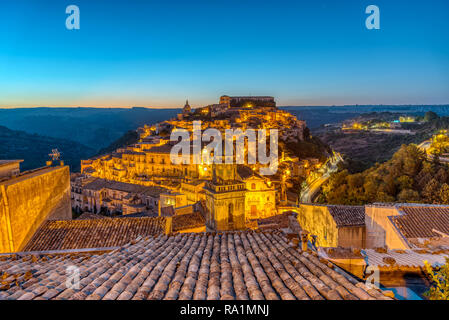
304, 239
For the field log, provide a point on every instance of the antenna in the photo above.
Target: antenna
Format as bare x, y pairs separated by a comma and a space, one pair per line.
55, 154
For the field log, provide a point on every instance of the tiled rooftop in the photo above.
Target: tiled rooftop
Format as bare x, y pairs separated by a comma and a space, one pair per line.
94, 233
348, 216
90, 216
279, 221
187, 221
245, 172
7, 162
99, 184
421, 221
167, 211
240, 265
403, 258
165, 148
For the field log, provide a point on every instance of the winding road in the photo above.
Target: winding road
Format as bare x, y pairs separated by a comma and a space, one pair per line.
313, 187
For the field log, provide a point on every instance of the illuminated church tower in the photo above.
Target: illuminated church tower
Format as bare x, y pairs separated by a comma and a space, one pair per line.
187, 109
225, 199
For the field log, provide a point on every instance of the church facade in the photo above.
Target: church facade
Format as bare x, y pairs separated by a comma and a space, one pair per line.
225, 199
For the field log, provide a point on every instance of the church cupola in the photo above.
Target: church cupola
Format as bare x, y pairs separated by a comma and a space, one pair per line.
186, 110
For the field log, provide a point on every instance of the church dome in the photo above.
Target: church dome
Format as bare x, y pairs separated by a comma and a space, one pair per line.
186, 108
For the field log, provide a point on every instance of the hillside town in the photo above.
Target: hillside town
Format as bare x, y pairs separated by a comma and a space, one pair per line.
137, 226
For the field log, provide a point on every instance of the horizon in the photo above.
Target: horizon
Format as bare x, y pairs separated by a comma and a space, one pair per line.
310, 54
200, 106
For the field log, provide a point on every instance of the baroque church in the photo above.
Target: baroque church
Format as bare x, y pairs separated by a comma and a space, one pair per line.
235, 195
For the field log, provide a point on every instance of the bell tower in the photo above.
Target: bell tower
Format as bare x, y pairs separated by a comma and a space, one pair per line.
225, 199
187, 109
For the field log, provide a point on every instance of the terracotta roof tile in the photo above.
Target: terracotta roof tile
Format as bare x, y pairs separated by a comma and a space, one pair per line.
237, 265
348, 216
279, 221
99, 184
93, 233
404, 258
187, 221
420, 221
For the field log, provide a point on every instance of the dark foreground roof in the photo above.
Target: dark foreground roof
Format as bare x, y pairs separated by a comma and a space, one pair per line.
348, 216
240, 265
188, 221
422, 221
95, 233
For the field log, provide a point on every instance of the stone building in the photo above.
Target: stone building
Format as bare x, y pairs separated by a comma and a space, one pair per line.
194, 190
186, 110
225, 199
248, 101
172, 199
405, 226
151, 163
334, 226
260, 195
97, 195
9, 168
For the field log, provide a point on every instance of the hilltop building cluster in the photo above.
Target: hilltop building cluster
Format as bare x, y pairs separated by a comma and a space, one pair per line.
235, 194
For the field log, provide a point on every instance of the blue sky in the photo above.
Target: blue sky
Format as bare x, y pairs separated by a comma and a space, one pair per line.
158, 53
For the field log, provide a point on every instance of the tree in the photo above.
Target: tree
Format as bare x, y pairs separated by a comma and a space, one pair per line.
444, 193
404, 182
430, 115
439, 279
408, 195
407, 177
430, 191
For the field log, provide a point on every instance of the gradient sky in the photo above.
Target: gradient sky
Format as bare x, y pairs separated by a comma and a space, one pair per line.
158, 53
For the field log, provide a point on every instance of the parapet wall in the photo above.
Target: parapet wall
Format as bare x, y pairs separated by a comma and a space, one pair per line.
318, 221
29, 200
381, 232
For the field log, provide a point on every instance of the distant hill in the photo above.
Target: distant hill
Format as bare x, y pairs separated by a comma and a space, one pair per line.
130, 137
34, 149
363, 149
317, 116
96, 128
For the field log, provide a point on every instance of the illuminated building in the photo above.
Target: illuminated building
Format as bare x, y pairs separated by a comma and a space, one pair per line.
225, 199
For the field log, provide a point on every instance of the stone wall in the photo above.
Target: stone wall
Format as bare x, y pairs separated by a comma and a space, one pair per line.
10, 169
29, 200
352, 237
218, 205
318, 221
380, 230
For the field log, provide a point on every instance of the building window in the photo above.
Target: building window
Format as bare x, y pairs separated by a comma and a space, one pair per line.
253, 211
253, 186
230, 213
